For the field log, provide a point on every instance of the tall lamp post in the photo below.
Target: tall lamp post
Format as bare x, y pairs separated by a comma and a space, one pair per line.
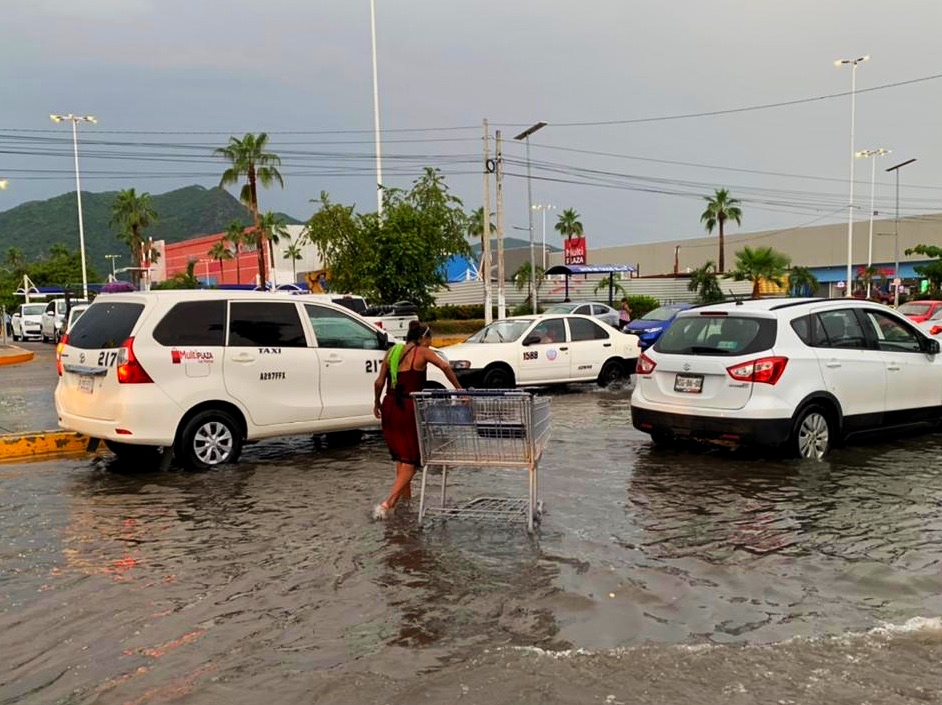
895, 168
525, 135
75, 120
379, 151
871, 154
850, 208
114, 274
543, 207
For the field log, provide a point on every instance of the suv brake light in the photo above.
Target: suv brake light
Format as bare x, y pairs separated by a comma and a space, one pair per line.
59, 347
645, 365
766, 370
130, 371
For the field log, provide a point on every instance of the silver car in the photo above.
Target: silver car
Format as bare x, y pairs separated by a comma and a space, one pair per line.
603, 312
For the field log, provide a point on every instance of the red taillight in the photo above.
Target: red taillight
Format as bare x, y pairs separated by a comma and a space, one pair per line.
378, 324
129, 369
935, 330
59, 347
645, 365
766, 370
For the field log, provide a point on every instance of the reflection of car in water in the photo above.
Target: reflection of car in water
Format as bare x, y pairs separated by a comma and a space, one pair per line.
651, 325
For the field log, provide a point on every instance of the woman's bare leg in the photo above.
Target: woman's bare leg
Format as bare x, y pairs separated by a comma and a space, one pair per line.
402, 488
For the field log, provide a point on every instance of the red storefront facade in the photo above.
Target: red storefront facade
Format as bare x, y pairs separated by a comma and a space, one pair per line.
212, 272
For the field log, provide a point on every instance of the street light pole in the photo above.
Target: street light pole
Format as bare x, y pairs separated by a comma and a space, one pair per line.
850, 208
543, 207
871, 154
75, 119
379, 151
525, 135
898, 278
113, 272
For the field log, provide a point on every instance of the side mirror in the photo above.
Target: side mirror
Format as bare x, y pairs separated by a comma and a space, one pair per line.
531, 340
384, 342
931, 346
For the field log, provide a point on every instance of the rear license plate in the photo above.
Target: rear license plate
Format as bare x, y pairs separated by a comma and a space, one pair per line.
86, 384
688, 384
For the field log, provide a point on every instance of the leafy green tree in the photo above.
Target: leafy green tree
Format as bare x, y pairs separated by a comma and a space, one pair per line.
476, 224
933, 270
801, 282
704, 281
182, 280
568, 224
220, 252
15, 261
236, 234
720, 208
132, 214
866, 275
400, 256
618, 291
521, 278
248, 158
760, 263
271, 230
293, 252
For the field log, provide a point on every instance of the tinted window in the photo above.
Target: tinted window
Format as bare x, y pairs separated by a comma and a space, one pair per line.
582, 329
334, 329
34, 309
354, 303
193, 323
717, 335
840, 329
551, 331
663, 313
265, 324
892, 334
584, 310
105, 325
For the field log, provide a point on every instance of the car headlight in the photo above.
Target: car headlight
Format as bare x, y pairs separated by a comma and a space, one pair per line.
460, 364
652, 330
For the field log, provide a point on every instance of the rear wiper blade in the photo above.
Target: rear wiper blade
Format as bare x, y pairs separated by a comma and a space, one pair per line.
705, 349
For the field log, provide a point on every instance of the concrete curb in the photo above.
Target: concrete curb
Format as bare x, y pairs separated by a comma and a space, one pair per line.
22, 446
15, 358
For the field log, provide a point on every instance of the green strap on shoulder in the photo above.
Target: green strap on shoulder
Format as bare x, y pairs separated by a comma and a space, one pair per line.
395, 355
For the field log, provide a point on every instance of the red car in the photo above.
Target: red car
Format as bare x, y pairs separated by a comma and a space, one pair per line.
919, 311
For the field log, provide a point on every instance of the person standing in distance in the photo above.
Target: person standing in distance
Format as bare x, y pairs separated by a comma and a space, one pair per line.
624, 314
404, 371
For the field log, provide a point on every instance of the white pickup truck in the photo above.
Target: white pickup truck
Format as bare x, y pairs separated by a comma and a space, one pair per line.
393, 318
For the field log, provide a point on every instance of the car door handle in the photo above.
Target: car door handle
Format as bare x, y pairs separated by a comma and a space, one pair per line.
832, 363
893, 367
564, 348
606, 345
335, 358
243, 357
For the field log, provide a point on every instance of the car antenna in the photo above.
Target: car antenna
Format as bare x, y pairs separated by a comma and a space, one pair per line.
736, 298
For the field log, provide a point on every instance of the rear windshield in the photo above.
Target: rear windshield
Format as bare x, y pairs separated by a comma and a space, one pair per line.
105, 325
717, 335
915, 309
662, 313
355, 304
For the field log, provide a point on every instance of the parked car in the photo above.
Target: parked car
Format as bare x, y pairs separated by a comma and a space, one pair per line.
74, 314
603, 312
652, 325
798, 374
53, 316
202, 372
27, 321
919, 311
545, 349
933, 324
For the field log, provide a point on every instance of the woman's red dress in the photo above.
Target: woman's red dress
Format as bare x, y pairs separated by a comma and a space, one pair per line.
398, 412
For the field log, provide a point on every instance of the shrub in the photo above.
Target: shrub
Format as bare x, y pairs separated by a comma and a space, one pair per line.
640, 305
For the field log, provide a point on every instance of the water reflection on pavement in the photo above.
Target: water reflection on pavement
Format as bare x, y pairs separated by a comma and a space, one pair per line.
269, 577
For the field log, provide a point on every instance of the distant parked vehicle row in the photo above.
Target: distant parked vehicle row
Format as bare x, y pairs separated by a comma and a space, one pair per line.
27, 321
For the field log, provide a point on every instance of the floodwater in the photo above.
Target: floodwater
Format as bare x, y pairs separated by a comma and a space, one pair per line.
656, 577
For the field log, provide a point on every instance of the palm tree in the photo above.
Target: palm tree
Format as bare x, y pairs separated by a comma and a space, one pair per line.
801, 282
521, 278
247, 158
866, 275
568, 225
721, 208
132, 213
270, 230
705, 282
236, 234
760, 263
476, 224
220, 251
293, 252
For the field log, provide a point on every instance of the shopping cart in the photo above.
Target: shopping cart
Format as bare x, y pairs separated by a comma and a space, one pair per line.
505, 429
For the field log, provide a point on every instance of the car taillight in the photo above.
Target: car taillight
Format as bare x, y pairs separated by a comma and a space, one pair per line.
645, 365
935, 330
766, 370
62, 343
130, 371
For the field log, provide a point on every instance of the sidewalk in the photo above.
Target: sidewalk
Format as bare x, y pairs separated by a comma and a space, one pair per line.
14, 355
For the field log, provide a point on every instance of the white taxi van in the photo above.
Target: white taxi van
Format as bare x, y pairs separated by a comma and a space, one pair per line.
201, 372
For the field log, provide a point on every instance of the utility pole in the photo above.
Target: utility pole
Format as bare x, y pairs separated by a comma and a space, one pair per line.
486, 232
501, 277
112, 258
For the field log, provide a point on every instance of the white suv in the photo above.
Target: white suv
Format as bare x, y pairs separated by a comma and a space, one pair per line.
53, 317
202, 372
801, 374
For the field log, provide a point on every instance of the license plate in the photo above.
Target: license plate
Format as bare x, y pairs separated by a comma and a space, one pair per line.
86, 384
688, 384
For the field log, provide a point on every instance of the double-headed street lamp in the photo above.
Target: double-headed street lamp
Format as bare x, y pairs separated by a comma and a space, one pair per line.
525, 135
850, 209
896, 168
871, 154
75, 119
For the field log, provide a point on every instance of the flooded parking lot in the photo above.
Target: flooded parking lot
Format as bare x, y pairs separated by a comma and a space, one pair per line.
656, 576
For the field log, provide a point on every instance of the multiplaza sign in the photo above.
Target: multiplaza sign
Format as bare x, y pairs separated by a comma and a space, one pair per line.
178, 356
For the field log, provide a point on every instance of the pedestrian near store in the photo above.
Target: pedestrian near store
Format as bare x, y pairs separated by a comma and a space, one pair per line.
404, 371
624, 314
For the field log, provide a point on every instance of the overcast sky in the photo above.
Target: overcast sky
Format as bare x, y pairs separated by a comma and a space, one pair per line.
200, 70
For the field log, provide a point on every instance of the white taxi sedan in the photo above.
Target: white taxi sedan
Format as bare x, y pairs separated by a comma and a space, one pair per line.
543, 350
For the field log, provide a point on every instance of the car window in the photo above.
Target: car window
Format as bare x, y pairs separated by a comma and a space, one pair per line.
584, 329
584, 310
662, 313
334, 329
265, 324
601, 309
841, 329
505, 331
105, 325
34, 309
193, 323
717, 335
915, 308
50, 308
559, 308
893, 335
550, 331
355, 303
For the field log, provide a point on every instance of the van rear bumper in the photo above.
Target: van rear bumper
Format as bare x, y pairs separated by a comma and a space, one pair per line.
135, 422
